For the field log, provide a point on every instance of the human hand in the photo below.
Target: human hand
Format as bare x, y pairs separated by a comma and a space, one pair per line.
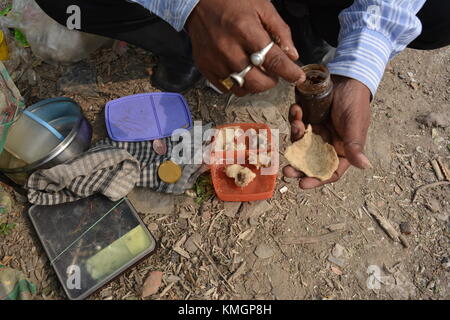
346, 129
224, 34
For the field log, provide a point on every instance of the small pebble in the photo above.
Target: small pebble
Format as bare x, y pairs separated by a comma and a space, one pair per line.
336, 261
263, 251
183, 223
284, 190
405, 228
206, 216
338, 250
184, 214
433, 205
191, 193
445, 262
190, 245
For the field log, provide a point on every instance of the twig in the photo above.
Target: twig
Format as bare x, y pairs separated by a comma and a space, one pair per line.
437, 170
316, 239
444, 169
386, 225
166, 289
214, 220
238, 272
230, 98
177, 248
336, 226
214, 266
279, 247
334, 193
426, 186
27, 66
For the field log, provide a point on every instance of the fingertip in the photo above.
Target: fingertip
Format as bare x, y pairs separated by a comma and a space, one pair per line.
364, 162
290, 172
358, 159
354, 153
295, 54
297, 130
301, 79
291, 52
295, 112
309, 183
298, 124
280, 64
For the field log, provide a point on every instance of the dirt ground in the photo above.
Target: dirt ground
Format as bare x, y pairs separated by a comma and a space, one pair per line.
247, 249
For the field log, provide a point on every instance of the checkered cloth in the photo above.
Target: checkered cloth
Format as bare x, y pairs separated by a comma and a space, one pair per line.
111, 168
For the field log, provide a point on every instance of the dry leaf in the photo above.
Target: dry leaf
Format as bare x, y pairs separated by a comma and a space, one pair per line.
181, 252
336, 270
6, 260
313, 156
246, 235
152, 283
177, 247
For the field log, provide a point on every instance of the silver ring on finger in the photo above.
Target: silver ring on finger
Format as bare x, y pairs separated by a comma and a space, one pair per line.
259, 57
239, 78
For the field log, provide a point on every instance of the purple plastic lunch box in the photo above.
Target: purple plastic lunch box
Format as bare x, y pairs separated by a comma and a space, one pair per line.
146, 116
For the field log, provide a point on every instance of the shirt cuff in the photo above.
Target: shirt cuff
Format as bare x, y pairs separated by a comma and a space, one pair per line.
362, 55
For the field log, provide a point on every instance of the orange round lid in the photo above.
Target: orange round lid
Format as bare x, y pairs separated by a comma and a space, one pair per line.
169, 172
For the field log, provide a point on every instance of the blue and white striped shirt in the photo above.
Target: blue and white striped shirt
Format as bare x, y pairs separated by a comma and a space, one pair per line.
372, 33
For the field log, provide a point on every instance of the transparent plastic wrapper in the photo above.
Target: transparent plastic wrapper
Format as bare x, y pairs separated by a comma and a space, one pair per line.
50, 41
11, 102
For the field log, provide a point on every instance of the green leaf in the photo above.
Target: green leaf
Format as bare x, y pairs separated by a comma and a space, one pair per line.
204, 189
20, 37
6, 228
5, 11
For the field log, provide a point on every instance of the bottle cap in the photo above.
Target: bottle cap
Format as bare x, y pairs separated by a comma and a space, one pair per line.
169, 172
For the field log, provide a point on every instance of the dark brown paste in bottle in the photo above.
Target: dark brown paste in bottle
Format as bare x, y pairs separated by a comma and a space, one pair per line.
315, 94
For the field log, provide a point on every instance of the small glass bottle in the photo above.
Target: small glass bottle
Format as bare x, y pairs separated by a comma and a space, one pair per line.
315, 95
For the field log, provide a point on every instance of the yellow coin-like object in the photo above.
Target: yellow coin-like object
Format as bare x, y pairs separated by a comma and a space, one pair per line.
169, 172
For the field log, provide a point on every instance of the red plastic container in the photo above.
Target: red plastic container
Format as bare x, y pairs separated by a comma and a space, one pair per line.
262, 187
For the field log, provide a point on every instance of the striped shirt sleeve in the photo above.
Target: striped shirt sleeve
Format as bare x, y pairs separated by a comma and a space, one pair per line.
372, 33
175, 12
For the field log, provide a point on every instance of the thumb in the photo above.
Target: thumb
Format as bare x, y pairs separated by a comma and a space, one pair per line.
354, 153
351, 118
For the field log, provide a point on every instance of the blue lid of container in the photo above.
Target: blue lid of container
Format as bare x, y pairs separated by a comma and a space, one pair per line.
146, 116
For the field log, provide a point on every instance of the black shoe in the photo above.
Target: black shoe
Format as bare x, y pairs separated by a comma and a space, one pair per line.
175, 75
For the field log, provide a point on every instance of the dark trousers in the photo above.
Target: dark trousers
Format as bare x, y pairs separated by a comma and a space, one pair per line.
122, 20
308, 19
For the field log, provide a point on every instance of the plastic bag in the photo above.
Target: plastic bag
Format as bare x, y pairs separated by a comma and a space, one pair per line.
50, 41
11, 102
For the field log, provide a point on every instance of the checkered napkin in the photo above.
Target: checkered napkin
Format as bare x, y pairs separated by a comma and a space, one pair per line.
111, 168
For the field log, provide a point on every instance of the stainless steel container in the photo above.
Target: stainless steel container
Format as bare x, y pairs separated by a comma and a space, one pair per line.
66, 117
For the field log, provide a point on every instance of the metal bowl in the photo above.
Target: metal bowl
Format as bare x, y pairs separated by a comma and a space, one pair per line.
64, 115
